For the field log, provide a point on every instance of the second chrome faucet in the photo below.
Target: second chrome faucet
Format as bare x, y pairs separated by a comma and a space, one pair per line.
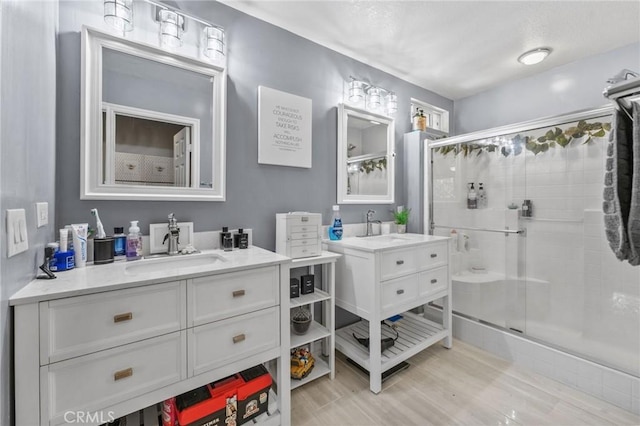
370, 222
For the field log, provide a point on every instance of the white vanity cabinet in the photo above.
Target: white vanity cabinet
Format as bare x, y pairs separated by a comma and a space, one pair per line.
110, 348
383, 276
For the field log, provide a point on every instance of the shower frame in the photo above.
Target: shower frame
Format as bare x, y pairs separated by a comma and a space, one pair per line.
556, 120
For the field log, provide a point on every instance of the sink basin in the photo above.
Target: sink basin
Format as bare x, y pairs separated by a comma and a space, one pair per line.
386, 238
173, 262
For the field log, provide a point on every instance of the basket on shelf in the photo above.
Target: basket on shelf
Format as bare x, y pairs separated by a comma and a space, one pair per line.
300, 320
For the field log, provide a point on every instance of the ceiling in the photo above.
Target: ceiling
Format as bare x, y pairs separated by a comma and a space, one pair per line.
456, 48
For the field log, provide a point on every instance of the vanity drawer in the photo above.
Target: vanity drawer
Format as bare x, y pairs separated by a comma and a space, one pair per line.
219, 343
433, 255
397, 263
98, 380
222, 296
80, 325
433, 281
396, 292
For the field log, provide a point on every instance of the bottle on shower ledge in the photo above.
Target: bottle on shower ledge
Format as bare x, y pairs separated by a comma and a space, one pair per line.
482, 196
527, 209
472, 197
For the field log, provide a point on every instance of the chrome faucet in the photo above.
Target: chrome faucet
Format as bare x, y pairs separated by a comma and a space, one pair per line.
173, 236
370, 222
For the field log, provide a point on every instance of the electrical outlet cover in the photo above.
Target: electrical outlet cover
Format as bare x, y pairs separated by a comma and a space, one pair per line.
42, 214
17, 238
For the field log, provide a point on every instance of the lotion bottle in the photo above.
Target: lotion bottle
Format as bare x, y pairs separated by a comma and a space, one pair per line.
134, 242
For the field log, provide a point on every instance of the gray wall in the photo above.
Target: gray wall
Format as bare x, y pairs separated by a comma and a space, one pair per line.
571, 87
27, 150
258, 54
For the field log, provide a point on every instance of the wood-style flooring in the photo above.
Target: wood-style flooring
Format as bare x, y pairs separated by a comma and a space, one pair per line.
459, 386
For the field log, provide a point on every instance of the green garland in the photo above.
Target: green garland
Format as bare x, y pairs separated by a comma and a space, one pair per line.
551, 139
369, 166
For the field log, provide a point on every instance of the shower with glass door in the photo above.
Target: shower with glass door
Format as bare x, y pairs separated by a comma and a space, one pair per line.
533, 259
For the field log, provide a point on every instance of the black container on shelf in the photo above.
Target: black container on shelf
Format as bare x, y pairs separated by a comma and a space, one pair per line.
307, 284
294, 288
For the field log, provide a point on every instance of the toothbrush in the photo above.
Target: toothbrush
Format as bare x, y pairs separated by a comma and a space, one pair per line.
100, 229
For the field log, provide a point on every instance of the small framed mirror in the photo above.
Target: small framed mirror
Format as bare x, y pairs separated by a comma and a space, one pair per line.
152, 123
365, 157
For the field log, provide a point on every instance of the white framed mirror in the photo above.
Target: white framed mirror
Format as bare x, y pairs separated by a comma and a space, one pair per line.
366, 160
153, 123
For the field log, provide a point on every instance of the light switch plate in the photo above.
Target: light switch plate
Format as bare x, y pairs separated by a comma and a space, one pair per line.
17, 239
157, 231
42, 214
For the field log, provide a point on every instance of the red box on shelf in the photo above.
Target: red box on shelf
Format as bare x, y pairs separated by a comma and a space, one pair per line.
209, 405
253, 394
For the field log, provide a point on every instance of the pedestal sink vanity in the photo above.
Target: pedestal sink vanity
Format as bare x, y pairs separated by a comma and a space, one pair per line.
383, 276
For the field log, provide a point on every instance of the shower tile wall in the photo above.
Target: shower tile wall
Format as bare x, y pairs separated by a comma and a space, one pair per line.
562, 284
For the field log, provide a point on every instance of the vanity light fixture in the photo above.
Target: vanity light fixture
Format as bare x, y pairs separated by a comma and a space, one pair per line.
534, 56
356, 91
171, 27
374, 98
392, 103
213, 42
119, 14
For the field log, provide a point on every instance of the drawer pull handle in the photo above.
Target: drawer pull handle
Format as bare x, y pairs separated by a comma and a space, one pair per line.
399, 262
238, 293
123, 317
433, 281
433, 255
401, 291
122, 374
239, 338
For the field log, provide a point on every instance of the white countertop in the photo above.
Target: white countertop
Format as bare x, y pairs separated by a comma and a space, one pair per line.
114, 276
383, 242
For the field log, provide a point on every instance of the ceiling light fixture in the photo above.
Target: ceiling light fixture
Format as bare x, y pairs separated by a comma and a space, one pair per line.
119, 14
534, 56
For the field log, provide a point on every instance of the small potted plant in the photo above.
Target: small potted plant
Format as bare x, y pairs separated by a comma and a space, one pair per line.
401, 217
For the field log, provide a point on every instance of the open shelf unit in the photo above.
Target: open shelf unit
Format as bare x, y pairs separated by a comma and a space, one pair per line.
415, 333
320, 338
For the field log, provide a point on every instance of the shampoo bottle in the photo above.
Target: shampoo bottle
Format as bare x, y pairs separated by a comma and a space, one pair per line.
335, 230
134, 242
472, 197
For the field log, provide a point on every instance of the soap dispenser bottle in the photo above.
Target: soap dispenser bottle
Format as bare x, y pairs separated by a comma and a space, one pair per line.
335, 230
472, 197
134, 242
